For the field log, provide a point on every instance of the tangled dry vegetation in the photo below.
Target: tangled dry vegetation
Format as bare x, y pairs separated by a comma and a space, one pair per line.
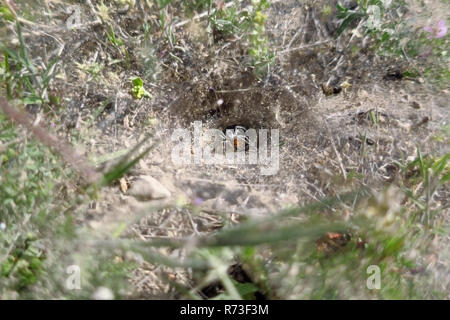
363, 167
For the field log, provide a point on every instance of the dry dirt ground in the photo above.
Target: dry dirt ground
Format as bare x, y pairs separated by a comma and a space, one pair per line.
324, 140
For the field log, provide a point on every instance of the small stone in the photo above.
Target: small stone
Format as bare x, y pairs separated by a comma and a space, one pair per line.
103, 293
415, 105
148, 188
123, 185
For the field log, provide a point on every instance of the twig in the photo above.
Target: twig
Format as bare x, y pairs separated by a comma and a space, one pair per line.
194, 225
338, 156
299, 31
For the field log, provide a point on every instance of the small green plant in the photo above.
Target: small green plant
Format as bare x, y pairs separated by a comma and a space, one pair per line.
23, 80
163, 3
118, 44
24, 262
260, 52
93, 69
425, 48
146, 27
347, 16
167, 28
138, 91
422, 177
36, 212
250, 23
28, 174
228, 21
113, 39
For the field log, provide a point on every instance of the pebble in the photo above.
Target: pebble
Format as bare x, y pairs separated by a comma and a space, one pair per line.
148, 188
415, 105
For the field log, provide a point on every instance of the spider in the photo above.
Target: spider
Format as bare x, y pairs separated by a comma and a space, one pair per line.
236, 137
